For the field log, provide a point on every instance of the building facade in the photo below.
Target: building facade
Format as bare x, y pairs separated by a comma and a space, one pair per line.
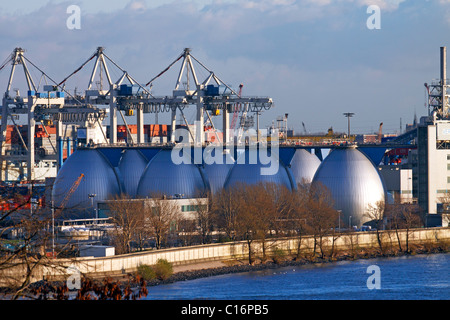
433, 167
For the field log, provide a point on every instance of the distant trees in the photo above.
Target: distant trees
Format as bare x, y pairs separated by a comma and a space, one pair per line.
375, 213
203, 217
266, 210
403, 216
320, 215
225, 206
253, 213
394, 217
249, 213
127, 216
138, 220
161, 216
296, 214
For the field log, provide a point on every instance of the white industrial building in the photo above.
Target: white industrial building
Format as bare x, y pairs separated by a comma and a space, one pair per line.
433, 167
433, 148
186, 209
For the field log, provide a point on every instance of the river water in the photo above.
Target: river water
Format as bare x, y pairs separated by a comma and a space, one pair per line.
419, 277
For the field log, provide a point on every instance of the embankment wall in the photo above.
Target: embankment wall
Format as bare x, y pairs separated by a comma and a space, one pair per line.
121, 264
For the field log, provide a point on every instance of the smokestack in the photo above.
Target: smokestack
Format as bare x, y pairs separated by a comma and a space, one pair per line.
444, 82
443, 65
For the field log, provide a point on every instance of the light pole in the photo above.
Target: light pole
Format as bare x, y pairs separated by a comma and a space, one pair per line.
350, 222
348, 115
92, 196
339, 213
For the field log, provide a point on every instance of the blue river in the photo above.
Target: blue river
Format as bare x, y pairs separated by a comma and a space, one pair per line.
419, 277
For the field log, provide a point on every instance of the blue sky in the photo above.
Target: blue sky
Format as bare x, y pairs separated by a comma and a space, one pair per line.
316, 59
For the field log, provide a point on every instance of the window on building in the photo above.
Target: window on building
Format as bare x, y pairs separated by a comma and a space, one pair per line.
191, 207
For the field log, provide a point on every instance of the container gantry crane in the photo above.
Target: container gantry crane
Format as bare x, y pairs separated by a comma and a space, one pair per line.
235, 113
38, 106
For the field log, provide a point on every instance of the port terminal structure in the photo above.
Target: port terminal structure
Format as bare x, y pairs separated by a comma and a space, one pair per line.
210, 96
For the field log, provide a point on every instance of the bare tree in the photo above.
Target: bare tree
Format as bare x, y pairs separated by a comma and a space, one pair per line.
26, 240
247, 225
161, 217
411, 219
297, 214
375, 212
127, 215
321, 216
285, 204
404, 216
224, 209
203, 217
261, 202
187, 231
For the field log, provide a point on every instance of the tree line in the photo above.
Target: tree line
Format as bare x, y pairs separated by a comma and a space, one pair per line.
251, 213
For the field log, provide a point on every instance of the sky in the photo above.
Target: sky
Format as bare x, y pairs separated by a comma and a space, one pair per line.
315, 59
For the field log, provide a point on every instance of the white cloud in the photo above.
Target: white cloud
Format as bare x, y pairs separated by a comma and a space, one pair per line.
383, 4
137, 5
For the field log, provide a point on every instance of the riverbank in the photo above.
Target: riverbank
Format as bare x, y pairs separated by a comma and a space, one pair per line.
274, 258
403, 277
209, 269
183, 258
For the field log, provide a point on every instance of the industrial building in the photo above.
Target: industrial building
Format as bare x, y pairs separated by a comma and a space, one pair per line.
92, 161
398, 180
143, 172
433, 167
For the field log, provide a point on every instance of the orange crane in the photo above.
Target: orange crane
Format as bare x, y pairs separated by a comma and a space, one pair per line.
233, 120
72, 190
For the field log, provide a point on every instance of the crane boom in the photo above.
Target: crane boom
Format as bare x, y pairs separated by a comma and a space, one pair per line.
72, 190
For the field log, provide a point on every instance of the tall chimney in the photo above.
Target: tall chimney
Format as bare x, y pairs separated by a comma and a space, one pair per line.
443, 65
444, 82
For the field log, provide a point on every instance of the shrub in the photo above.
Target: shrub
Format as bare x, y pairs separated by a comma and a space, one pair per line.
163, 269
278, 256
146, 272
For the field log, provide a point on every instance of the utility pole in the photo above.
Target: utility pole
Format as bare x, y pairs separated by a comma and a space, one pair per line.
92, 196
348, 115
53, 229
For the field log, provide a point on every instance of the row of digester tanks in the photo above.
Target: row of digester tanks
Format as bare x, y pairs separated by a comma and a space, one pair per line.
350, 176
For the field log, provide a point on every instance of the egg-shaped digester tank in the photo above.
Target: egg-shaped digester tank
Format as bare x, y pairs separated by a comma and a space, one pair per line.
217, 164
131, 165
353, 182
251, 168
303, 166
99, 182
162, 176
